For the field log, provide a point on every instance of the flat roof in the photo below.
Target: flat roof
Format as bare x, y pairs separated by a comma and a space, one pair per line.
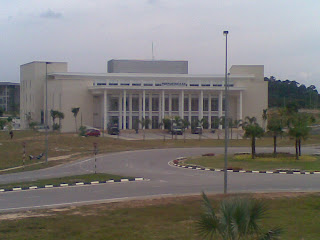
9, 83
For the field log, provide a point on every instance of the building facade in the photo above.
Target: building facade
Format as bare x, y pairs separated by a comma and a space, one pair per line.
125, 97
9, 96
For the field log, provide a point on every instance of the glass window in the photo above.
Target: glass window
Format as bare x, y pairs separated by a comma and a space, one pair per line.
147, 102
214, 104
135, 103
194, 104
166, 103
205, 104
186, 104
155, 102
114, 105
175, 103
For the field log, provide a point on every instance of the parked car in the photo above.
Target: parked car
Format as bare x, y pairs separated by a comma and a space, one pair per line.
176, 131
196, 130
92, 132
113, 130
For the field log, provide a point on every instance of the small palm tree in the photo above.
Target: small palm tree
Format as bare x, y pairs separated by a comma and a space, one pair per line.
75, 112
264, 118
236, 219
252, 130
60, 116
275, 126
144, 122
185, 124
54, 115
299, 129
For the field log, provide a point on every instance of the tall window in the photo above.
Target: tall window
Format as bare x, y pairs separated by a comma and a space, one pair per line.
114, 104
205, 104
155, 102
214, 104
195, 104
186, 104
135, 102
175, 103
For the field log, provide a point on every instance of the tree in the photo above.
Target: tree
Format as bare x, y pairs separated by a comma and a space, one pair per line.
275, 126
252, 130
60, 115
75, 112
299, 129
264, 118
54, 115
185, 124
144, 122
1, 111
236, 219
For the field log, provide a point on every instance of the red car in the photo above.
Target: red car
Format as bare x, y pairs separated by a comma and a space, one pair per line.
93, 132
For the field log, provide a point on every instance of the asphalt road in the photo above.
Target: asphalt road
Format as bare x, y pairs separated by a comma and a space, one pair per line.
152, 165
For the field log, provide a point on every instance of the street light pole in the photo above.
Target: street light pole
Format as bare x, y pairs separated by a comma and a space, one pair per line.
226, 124
46, 114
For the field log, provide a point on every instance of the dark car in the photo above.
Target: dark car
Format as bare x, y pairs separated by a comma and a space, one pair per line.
196, 130
92, 132
176, 131
113, 130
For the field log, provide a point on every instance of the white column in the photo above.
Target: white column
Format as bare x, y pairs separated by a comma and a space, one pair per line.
130, 111
181, 105
220, 108
162, 106
124, 109
170, 104
189, 110
144, 104
160, 112
201, 105
140, 107
120, 111
150, 110
240, 105
209, 110
105, 110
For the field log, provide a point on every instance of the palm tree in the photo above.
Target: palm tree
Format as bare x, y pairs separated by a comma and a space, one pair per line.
75, 112
299, 129
54, 115
185, 124
144, 122
264, 118
237, 124
60, 116
275, 126
236, 219
252, 130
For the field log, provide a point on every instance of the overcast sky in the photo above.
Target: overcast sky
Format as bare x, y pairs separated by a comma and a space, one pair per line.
284, 36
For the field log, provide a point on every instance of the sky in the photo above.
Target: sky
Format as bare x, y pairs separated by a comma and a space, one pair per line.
284, 36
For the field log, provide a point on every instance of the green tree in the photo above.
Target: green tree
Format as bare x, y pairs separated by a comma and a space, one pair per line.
185, 124
54, 115
2, 123
264, 118
75, 112
236, 219
275, 126
144, 122
253, 131
1, 112
60, 115
299, 129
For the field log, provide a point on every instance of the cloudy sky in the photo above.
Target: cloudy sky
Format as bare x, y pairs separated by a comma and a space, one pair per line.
282, 35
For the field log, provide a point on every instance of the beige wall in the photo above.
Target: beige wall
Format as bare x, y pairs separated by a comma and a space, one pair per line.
255, 97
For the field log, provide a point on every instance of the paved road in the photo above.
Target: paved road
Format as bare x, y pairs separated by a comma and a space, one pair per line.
153, 165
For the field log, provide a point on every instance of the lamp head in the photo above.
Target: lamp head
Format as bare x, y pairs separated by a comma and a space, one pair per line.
225, 33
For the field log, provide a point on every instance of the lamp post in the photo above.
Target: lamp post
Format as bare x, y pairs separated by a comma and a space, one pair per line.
226, 124
46, 114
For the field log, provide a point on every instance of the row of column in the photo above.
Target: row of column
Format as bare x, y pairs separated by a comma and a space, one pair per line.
142, 107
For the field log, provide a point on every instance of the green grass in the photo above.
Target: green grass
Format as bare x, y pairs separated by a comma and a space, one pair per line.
267, 162
86, 178
159, 219
75, 147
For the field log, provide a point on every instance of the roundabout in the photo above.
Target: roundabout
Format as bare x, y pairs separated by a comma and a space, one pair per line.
165, 180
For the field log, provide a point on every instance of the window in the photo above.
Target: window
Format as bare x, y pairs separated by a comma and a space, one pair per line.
194, 85
186, 104
114, 104
166, 103
113, 84
155, 102
135, 102
214, 104
136, 84
194, 104
175, 103
205, 104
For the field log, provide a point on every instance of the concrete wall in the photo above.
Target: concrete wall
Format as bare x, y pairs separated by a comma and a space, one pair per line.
32, 90
255, 97
145, 66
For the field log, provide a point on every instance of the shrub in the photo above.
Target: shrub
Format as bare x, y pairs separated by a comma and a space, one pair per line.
33, 125
176, 161
208, 155
82, 131
55, 126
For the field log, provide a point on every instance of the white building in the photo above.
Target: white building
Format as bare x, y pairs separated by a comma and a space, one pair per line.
135, 89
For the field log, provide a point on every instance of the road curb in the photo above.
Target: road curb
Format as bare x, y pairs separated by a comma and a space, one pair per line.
195, 167
15, 189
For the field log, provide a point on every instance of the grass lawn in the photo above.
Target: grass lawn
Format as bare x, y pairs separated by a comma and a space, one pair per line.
156, 219
68, 147
86, 178
265, 162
